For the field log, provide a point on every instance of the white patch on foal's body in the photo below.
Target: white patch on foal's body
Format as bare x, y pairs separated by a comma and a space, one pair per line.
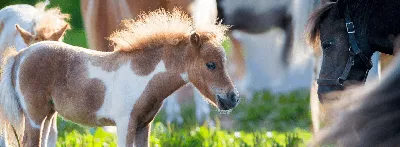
123, 89
185, 77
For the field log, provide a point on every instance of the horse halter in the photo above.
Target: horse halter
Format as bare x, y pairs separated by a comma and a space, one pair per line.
354, 51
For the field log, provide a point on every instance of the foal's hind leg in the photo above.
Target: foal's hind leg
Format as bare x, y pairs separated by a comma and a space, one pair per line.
49, 133
31, 133
36, 113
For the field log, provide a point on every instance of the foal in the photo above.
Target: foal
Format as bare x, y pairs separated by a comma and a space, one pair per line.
105, 88
22, 25
102, 18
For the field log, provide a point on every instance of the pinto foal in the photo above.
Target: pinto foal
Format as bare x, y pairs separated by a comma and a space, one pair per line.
96, 88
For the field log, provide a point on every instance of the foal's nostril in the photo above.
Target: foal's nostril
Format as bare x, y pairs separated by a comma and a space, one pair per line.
232, 97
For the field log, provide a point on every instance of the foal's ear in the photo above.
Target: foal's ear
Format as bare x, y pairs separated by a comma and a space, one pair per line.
195, 39
27, 36
57, 35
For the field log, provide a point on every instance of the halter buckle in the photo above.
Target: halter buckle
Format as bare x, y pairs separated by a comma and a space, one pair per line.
350, 28
340, 81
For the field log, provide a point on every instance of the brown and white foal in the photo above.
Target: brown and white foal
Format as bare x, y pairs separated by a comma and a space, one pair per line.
106, 88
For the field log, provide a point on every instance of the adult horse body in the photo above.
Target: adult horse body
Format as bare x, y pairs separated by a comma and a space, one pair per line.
349, 32
105, 88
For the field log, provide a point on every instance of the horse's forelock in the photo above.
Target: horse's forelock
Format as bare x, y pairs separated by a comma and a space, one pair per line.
313, 25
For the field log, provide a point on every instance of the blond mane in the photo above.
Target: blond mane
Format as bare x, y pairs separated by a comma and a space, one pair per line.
51, 19
161, 27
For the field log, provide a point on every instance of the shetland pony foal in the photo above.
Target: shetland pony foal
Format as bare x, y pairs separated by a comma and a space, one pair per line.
105, 88
22, 25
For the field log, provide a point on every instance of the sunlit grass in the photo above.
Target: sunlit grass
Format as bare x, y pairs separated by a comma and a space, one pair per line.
268, 120
197, 136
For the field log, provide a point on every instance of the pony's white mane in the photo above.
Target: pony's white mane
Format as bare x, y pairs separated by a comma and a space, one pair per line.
158, 27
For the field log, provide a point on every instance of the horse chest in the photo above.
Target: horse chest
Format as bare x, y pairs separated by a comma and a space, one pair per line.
122, 89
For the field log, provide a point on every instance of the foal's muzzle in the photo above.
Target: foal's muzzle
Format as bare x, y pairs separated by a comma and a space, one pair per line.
228, 101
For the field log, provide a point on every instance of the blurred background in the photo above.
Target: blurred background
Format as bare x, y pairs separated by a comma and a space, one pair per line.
275, 107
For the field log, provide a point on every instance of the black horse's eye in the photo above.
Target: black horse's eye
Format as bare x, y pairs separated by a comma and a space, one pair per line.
210, 65
327, 44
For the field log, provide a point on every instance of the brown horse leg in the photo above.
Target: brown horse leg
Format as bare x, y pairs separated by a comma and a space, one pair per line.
238, 59
288, 45
38, 109
31, 134
49, 134
126, 130
142, 136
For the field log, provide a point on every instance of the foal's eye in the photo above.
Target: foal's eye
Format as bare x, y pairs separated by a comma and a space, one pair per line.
327, 44
210, 65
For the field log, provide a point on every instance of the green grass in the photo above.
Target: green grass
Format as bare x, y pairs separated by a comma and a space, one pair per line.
198, 136
274, 112
268, 120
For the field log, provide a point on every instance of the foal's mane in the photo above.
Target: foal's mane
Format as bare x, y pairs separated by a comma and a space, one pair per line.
50, 19
313, 25
161, 27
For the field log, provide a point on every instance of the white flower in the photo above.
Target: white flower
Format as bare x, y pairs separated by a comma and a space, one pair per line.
231, 140
237, 134
269, 134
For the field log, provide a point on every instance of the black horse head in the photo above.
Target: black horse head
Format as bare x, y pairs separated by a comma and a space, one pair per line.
349, 32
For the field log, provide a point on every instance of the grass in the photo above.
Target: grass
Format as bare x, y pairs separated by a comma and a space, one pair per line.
198, 136
268, 120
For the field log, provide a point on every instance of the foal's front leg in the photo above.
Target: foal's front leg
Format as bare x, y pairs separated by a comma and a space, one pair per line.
124, 131
138, 136
142, 136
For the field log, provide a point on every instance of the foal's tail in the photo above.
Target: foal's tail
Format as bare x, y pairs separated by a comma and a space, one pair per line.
10, 110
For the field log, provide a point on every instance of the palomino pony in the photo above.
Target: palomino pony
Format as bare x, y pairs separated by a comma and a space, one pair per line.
370, 116
101, 18
96, 88
23, 25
